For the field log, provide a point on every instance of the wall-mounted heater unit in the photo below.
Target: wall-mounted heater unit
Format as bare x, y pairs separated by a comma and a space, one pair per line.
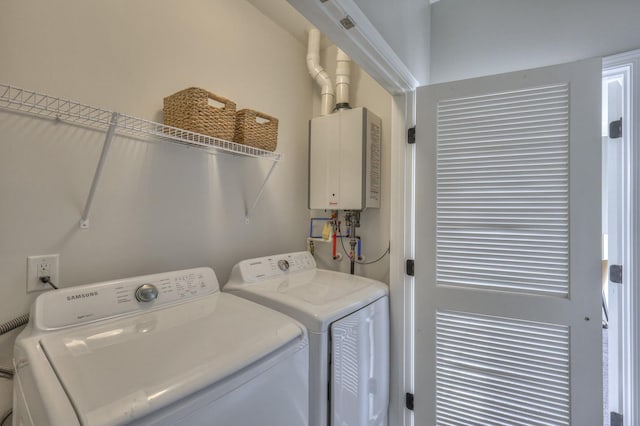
344, 160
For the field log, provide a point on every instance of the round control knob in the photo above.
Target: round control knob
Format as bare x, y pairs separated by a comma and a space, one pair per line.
283, 265
146, 293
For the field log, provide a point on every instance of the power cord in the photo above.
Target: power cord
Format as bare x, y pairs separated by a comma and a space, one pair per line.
388, 250
6, 417
6, 374
46, 280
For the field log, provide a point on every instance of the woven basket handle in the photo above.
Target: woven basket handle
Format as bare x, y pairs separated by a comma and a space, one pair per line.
227, 103
266, 117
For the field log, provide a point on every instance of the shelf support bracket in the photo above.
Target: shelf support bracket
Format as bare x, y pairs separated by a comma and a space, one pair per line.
84, 220
255, 202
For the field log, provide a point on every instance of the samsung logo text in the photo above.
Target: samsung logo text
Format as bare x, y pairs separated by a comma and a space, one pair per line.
81, 296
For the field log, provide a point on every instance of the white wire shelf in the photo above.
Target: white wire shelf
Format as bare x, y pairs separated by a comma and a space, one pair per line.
41, 105
27, 101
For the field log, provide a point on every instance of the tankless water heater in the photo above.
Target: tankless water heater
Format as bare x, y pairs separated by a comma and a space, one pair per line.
344, 160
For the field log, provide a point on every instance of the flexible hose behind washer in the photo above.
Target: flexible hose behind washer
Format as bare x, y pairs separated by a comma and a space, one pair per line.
14, 323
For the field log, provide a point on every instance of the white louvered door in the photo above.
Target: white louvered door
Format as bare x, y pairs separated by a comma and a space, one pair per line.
508, 327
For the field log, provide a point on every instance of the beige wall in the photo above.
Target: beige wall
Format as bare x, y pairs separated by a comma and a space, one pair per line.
159, 206
374, 230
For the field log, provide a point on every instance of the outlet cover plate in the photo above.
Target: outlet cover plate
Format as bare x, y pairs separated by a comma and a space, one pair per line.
38, 266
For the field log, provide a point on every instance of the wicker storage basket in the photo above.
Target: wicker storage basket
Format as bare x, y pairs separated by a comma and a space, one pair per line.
189, 109
256, 134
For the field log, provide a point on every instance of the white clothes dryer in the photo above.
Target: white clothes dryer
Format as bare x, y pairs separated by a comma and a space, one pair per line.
164, 349
347, 318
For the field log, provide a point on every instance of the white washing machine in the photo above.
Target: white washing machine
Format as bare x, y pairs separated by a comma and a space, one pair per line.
165, 349
347, 318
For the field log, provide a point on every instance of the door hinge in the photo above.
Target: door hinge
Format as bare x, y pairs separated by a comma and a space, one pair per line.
411, 135
615, 274
615, 129
408, 399
616, 419
410, 268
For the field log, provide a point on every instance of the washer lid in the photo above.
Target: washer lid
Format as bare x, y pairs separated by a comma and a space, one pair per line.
314, 297
119, 370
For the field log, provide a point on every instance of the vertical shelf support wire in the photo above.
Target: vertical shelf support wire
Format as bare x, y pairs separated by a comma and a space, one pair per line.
84, 221
255, 202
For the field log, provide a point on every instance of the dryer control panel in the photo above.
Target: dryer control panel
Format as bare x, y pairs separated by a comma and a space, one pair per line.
262, 268
82, 304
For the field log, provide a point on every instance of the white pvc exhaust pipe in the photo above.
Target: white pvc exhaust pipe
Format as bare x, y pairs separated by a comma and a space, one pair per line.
318, 73
343, 79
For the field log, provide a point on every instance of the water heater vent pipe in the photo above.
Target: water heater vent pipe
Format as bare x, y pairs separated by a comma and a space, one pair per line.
318, 73
343, 80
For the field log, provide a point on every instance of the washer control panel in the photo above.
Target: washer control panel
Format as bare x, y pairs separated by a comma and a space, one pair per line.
88, 303
146, 293
283, 264
262, 268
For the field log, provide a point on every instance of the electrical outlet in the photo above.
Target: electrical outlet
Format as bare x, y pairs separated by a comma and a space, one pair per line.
42, 266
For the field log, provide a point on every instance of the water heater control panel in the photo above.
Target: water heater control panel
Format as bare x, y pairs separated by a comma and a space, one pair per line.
262, 268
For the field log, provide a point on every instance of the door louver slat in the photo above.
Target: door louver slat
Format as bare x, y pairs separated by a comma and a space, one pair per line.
502, 208
492, 370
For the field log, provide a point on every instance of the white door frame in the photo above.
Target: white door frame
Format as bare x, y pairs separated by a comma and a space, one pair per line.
613, 96
402, 248
629, 64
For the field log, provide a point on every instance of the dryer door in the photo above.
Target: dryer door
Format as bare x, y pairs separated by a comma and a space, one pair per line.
359, 380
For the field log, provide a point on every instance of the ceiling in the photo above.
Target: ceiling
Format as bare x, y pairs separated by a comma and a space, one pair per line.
283, 14
390, 40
